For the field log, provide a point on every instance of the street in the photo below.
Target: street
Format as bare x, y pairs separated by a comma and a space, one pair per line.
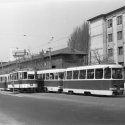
61, 109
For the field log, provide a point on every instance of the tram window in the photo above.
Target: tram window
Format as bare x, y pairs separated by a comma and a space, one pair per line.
39, 76
15, 76
51, 76
30, 76
20, 75
75, 74
99, 73
56, 75
82, 74
61, 75
47, 76
90, 74
69, 74
12, 76
107, 73
117, 73
24, 75
43, 76
1, 79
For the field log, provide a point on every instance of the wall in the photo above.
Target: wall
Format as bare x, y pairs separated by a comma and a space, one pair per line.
58, 61
96, 38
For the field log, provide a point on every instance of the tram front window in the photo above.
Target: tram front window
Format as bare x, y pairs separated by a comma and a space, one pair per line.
117, 73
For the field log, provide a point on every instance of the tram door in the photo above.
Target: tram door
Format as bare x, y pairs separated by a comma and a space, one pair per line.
5, 87
40, 82
60, 83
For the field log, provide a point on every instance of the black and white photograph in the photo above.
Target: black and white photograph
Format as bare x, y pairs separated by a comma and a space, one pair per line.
62, 62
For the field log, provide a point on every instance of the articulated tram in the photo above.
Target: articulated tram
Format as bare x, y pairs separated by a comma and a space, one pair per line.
22, 81
96, 80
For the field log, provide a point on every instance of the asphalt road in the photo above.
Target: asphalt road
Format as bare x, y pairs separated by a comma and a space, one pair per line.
61, 109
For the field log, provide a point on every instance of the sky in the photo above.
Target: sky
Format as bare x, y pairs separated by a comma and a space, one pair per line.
39, 24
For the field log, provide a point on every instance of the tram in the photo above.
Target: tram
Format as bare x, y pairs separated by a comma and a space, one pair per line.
24, 81
53, 79
95, 79
4, 81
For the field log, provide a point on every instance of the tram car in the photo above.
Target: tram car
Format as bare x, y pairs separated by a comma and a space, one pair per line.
23, 81
95, 79
4, 81
53, 79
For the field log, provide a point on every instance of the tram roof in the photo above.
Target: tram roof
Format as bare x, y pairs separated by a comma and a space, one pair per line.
4, 74
29, 72
51, 71
95, 67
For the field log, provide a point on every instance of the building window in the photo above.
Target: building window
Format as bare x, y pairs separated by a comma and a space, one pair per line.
109, 37
119, 35
119, 20
110, 52
120, 50
109, 23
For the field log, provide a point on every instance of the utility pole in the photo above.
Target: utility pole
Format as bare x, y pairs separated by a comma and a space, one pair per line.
50, 51
50, 57
2, 66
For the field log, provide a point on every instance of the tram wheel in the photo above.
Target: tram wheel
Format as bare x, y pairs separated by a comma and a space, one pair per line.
87, 93
70, 92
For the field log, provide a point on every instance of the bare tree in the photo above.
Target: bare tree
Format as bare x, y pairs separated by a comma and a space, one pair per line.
79, 38
99, 58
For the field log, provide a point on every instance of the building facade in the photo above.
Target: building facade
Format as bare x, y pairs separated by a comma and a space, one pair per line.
62, 58
107, 37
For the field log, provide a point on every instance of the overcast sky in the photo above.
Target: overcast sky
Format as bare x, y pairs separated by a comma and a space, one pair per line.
30, 24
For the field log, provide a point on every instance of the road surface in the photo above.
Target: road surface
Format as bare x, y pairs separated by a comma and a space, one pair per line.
61, 109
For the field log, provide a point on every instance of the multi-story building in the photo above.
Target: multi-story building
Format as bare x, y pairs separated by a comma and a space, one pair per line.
107, 37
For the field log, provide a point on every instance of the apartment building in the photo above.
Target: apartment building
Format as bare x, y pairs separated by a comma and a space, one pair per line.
107, 37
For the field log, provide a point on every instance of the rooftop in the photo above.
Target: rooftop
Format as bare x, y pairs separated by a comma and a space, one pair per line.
109, 13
